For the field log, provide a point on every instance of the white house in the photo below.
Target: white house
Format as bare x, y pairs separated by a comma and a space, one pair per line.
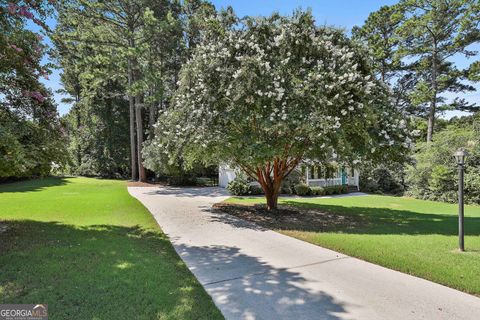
314, 176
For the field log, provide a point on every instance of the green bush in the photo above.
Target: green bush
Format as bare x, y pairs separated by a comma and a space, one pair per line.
288, 184
255, 189
286, 189
472, 185
318, 191
302, 189
434, 175
331, 190
335, 190
381, 179
239, 187
182, 180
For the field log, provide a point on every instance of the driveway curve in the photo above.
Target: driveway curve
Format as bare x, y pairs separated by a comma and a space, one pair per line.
254, 273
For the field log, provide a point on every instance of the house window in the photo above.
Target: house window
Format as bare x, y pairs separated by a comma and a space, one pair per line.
312, 172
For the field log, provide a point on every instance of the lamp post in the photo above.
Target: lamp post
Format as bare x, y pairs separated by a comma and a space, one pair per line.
460, 158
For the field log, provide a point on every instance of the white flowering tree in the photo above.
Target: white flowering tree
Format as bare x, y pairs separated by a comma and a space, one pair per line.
266, 94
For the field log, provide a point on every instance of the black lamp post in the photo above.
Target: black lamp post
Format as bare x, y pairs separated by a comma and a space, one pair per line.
460, 157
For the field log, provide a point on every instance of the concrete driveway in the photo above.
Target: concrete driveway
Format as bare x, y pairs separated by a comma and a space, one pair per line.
254, 273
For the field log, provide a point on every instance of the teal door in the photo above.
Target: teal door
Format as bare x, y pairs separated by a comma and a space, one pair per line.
344, 176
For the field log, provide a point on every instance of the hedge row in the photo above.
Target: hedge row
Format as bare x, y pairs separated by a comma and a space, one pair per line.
241, 187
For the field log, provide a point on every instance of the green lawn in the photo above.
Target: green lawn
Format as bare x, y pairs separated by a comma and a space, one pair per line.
413, 236
91, 251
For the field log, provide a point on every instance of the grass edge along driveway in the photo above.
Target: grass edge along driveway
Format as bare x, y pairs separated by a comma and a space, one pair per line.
409, 235
91, 251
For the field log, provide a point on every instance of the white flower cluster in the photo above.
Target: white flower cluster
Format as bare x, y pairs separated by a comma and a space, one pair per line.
299, 82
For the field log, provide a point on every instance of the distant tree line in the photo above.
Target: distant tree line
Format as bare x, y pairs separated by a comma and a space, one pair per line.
125, 64
120, 62
414, 46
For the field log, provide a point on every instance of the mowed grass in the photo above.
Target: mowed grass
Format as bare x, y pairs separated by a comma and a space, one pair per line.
413, 236
91, 251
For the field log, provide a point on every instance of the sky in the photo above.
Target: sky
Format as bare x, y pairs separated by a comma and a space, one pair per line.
340, 13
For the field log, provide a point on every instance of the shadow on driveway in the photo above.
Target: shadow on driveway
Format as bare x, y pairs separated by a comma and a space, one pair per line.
244, 287
211, 192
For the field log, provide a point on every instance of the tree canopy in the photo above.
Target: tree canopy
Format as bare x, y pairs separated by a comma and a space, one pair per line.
30, 133
266, 93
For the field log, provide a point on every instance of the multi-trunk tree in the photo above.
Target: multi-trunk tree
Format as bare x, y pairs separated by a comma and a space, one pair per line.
264, 94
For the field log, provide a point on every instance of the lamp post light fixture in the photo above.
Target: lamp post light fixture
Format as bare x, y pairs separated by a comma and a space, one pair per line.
460, 158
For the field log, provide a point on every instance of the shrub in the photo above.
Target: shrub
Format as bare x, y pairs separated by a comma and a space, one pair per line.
286, 189
382, 179
288, 184
472, 185
182, 180
330, 190
302, 189
335, 190
434, 176
318, 191
239, 187
255, 189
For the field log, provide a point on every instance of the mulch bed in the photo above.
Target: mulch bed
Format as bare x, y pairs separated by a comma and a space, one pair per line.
288, 217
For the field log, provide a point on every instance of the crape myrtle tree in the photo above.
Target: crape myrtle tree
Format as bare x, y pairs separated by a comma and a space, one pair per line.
31, 136
264, 94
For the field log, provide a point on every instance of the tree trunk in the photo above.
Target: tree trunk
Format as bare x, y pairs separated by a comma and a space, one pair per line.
270, 178
142, 176
431, 122
271, 175
152, 118
131, 103
433, 103
272, 201
77, 125
271, 190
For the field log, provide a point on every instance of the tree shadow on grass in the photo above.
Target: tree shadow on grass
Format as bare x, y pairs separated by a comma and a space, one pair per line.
101, 272
245, 287
392, 221
33, 184
311, 217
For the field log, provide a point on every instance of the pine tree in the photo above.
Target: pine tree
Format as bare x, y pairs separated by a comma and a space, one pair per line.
433, 32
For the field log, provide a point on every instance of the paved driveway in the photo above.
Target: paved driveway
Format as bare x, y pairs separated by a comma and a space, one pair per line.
253, 273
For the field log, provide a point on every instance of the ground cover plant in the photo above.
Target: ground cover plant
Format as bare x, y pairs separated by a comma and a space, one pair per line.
413, 236
91, 251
